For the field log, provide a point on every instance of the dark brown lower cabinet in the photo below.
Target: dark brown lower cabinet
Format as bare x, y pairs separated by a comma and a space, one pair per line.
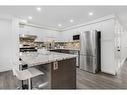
63, 74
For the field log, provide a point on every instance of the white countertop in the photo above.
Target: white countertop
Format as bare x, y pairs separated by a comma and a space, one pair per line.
37, 58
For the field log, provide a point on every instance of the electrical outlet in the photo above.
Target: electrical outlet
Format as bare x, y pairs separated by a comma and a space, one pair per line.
55, 65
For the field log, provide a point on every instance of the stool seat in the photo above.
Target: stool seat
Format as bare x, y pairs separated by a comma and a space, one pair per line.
28, 73
35, 72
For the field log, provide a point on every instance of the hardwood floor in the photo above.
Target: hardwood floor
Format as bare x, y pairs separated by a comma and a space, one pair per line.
85, 80
7, 81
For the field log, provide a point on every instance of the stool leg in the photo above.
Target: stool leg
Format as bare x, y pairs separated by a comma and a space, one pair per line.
22, 84
30, 83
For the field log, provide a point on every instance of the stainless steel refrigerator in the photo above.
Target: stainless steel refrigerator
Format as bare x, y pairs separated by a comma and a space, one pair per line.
90, 51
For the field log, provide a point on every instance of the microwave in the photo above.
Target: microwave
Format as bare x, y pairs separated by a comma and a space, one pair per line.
76, 37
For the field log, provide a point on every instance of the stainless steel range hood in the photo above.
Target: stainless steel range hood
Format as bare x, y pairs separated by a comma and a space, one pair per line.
29, 37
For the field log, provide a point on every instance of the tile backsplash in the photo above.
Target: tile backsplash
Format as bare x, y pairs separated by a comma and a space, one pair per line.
72, 45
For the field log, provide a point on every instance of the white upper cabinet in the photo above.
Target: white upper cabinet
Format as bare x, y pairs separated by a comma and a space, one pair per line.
42, 34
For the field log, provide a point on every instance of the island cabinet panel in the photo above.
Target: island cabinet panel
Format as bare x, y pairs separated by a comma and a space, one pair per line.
63, 74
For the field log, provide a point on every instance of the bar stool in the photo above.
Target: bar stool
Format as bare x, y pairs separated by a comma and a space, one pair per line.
22, 72
27, 74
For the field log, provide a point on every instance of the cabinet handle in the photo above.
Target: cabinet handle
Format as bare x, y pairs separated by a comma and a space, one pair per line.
55, 65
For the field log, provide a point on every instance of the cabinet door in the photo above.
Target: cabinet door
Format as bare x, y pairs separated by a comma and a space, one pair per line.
64, 76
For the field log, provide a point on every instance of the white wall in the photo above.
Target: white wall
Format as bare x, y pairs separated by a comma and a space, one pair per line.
42, 34
107, 42
123, 45
9, 44
5, 44
120, 44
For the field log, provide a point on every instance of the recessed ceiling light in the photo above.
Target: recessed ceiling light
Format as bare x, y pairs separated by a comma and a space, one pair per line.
71, 20
59, 25
38, 9
30, 17
91, 13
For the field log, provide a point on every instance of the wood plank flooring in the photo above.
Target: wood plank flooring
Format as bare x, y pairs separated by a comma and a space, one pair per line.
7, 81
85, 80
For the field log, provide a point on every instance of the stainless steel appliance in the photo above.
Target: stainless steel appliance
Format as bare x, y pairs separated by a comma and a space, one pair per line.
76, 37
90, 51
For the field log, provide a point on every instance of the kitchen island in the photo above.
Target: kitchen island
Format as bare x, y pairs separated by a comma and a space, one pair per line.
59, 68
69, 51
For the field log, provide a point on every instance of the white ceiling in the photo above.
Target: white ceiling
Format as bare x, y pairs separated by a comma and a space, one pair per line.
53, 15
